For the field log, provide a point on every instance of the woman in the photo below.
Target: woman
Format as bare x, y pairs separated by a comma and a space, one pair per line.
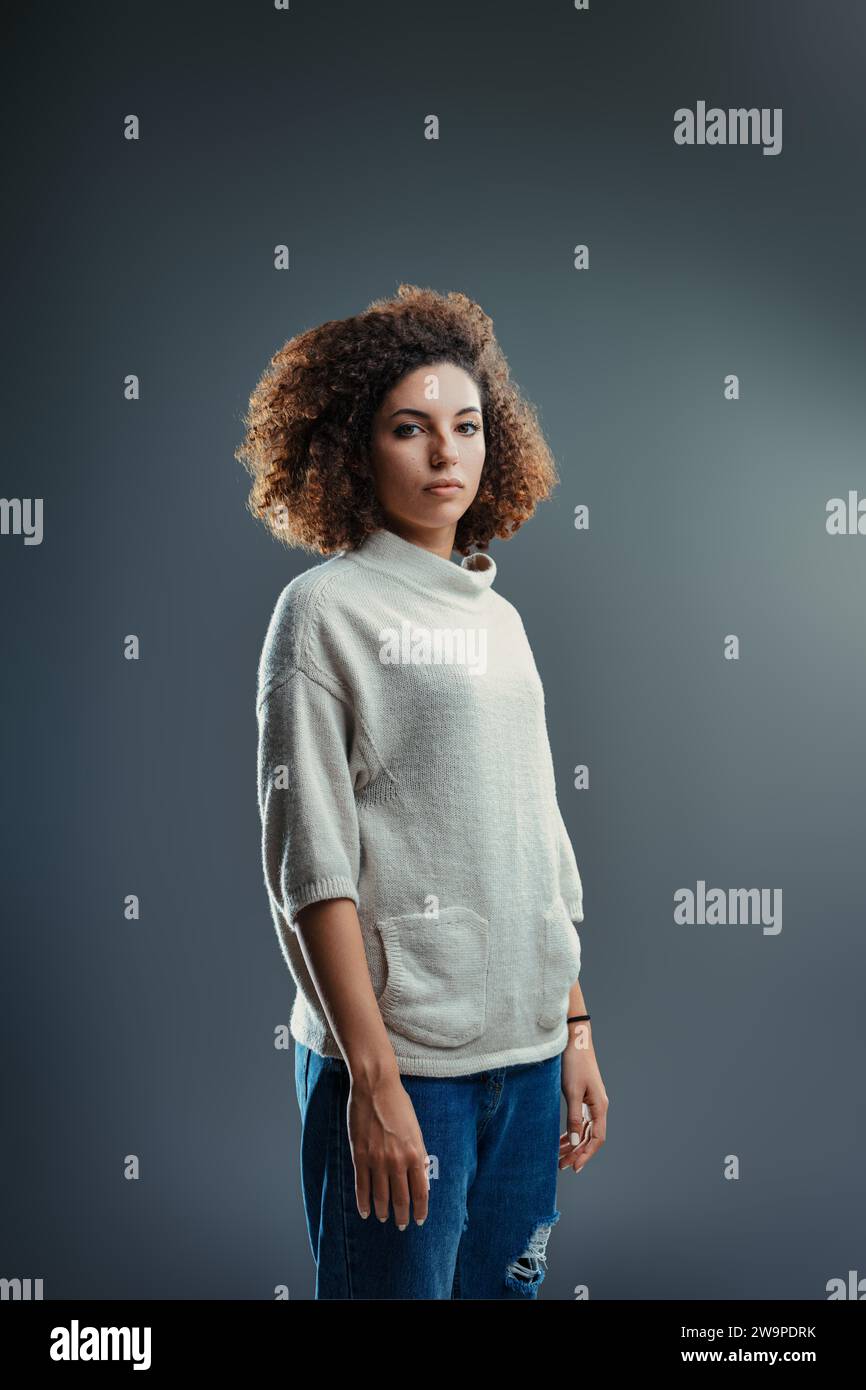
420, 876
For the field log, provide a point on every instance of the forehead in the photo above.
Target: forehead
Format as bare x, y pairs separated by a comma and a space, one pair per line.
440, 382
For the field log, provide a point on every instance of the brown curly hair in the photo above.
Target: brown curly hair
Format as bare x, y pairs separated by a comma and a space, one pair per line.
310, 417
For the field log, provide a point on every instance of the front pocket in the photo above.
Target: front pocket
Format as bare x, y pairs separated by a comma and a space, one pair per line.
559, 964
437, 975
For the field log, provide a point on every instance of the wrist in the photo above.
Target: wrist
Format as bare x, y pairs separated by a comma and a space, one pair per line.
369, 1072
580, 1033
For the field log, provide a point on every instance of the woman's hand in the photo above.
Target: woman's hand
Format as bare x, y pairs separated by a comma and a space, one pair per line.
388, 1151
582, 1085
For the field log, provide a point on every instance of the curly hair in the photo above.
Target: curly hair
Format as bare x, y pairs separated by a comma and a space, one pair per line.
308, 427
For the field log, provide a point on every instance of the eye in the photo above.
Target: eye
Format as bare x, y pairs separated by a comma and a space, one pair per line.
473, 426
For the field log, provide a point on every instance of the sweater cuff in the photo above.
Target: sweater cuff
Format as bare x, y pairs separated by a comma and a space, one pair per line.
335, 886
574, 907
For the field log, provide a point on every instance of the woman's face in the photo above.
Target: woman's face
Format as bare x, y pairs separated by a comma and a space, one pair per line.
428, 432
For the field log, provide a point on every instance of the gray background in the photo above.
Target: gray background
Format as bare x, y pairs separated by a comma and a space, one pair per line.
707, 517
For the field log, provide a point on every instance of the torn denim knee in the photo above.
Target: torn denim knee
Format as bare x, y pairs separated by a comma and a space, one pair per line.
526, 1271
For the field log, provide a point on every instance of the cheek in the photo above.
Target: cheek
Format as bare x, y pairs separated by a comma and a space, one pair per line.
394, 471
383, 460
473, 457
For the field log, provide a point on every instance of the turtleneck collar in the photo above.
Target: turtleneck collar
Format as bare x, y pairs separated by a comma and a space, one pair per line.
385, 550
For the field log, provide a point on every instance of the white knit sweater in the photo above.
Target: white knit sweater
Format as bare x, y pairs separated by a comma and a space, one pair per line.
404, 763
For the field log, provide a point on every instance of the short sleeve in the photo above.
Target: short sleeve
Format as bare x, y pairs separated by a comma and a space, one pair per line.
570, 885
306, 775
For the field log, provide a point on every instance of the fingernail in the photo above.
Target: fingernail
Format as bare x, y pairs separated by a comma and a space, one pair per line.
383, 1218
421, 1222
575, 1139
365, 1214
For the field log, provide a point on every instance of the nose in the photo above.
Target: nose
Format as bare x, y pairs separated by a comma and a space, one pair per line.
444, 452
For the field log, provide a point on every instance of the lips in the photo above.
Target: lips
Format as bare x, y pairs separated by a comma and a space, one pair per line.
443, 487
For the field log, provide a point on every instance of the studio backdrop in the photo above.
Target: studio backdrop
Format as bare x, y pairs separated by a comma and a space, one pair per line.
661, 206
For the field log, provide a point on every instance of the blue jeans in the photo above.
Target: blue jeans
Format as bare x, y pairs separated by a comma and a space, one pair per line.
493, 1143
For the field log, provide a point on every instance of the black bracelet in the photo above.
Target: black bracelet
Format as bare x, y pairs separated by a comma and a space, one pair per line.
578, 1018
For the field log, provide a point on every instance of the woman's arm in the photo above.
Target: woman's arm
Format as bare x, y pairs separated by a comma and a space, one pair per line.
388, 1148
581, 1083
308, 762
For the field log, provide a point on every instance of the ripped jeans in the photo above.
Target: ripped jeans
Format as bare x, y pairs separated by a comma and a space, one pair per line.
492, 1140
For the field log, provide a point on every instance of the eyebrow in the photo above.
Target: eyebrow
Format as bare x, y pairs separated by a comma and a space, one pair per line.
406, 410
